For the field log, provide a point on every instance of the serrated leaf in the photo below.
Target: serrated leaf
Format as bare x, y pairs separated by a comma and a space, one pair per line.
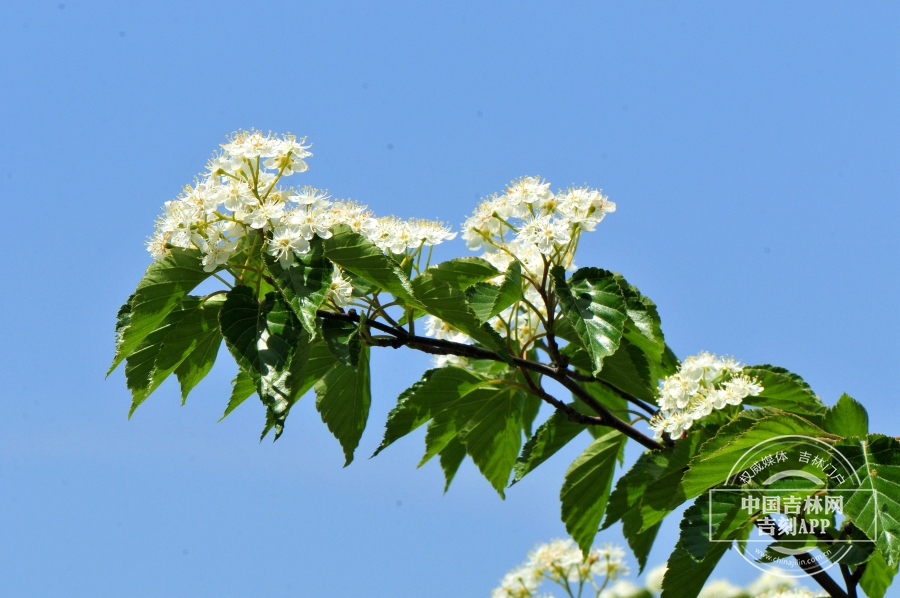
713, 463
435, 391
713, 516
664, 493
241, 388
493, 436
631, 486
356, 254
875, 507
305, 283
629, 370
643, 327
530, 412
593, 303
449, 304
877, 577
140, 364
684, 577
783, 390
342, 339
586, 488
847, 418
640, 541
549, 438
451, 458
343, 397
166, 282
263, 337
487, 300
463, 272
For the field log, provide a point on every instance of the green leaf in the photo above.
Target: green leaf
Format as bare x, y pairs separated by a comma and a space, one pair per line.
241, 388
586, 488
304, 284
640, 542
877, 577
263, 337
342, 339
631, 486
435, 391
493, 435
551, 436
161, 289
451, 458
449, 304
711, 466
875, 506
684, 576
719, 512
594, 305
123, 319
488, 300
847, 418
140, 364
356, 254
664, 493
463, 272
783, 390
643, 327
530, 412
628, 370
343, 397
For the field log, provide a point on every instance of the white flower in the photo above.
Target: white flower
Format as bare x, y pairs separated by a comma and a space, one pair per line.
441, 361
655, 578
340, 291
441, 330
311, 222
622, 589
528, 190
721, 589
269, 212
518, 583
286, 241
546, 233
310, 196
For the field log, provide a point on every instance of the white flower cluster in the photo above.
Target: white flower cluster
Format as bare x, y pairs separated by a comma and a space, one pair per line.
794, 593
561, 561
239, 192
546, 220
703, 383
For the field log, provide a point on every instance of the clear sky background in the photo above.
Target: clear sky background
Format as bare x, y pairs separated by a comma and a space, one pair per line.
752, 149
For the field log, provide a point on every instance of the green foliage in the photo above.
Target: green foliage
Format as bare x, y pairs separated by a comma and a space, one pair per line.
263, 338
784, 390
304, 284
463, 272
343, 397
487, 300
847, 418
486, 404
877, 577
875, 506
586, 488
356, 254
165, 284
593, 303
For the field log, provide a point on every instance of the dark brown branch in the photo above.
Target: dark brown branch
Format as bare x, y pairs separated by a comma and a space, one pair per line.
811, 567
630, 398
444, 347
848, 581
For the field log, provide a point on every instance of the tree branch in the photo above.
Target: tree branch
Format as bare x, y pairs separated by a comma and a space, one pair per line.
811, 567
444, 347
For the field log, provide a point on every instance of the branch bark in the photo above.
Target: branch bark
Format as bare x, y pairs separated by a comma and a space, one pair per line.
444, 347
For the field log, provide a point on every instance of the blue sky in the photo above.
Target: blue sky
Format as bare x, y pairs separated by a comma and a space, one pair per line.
752, 150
